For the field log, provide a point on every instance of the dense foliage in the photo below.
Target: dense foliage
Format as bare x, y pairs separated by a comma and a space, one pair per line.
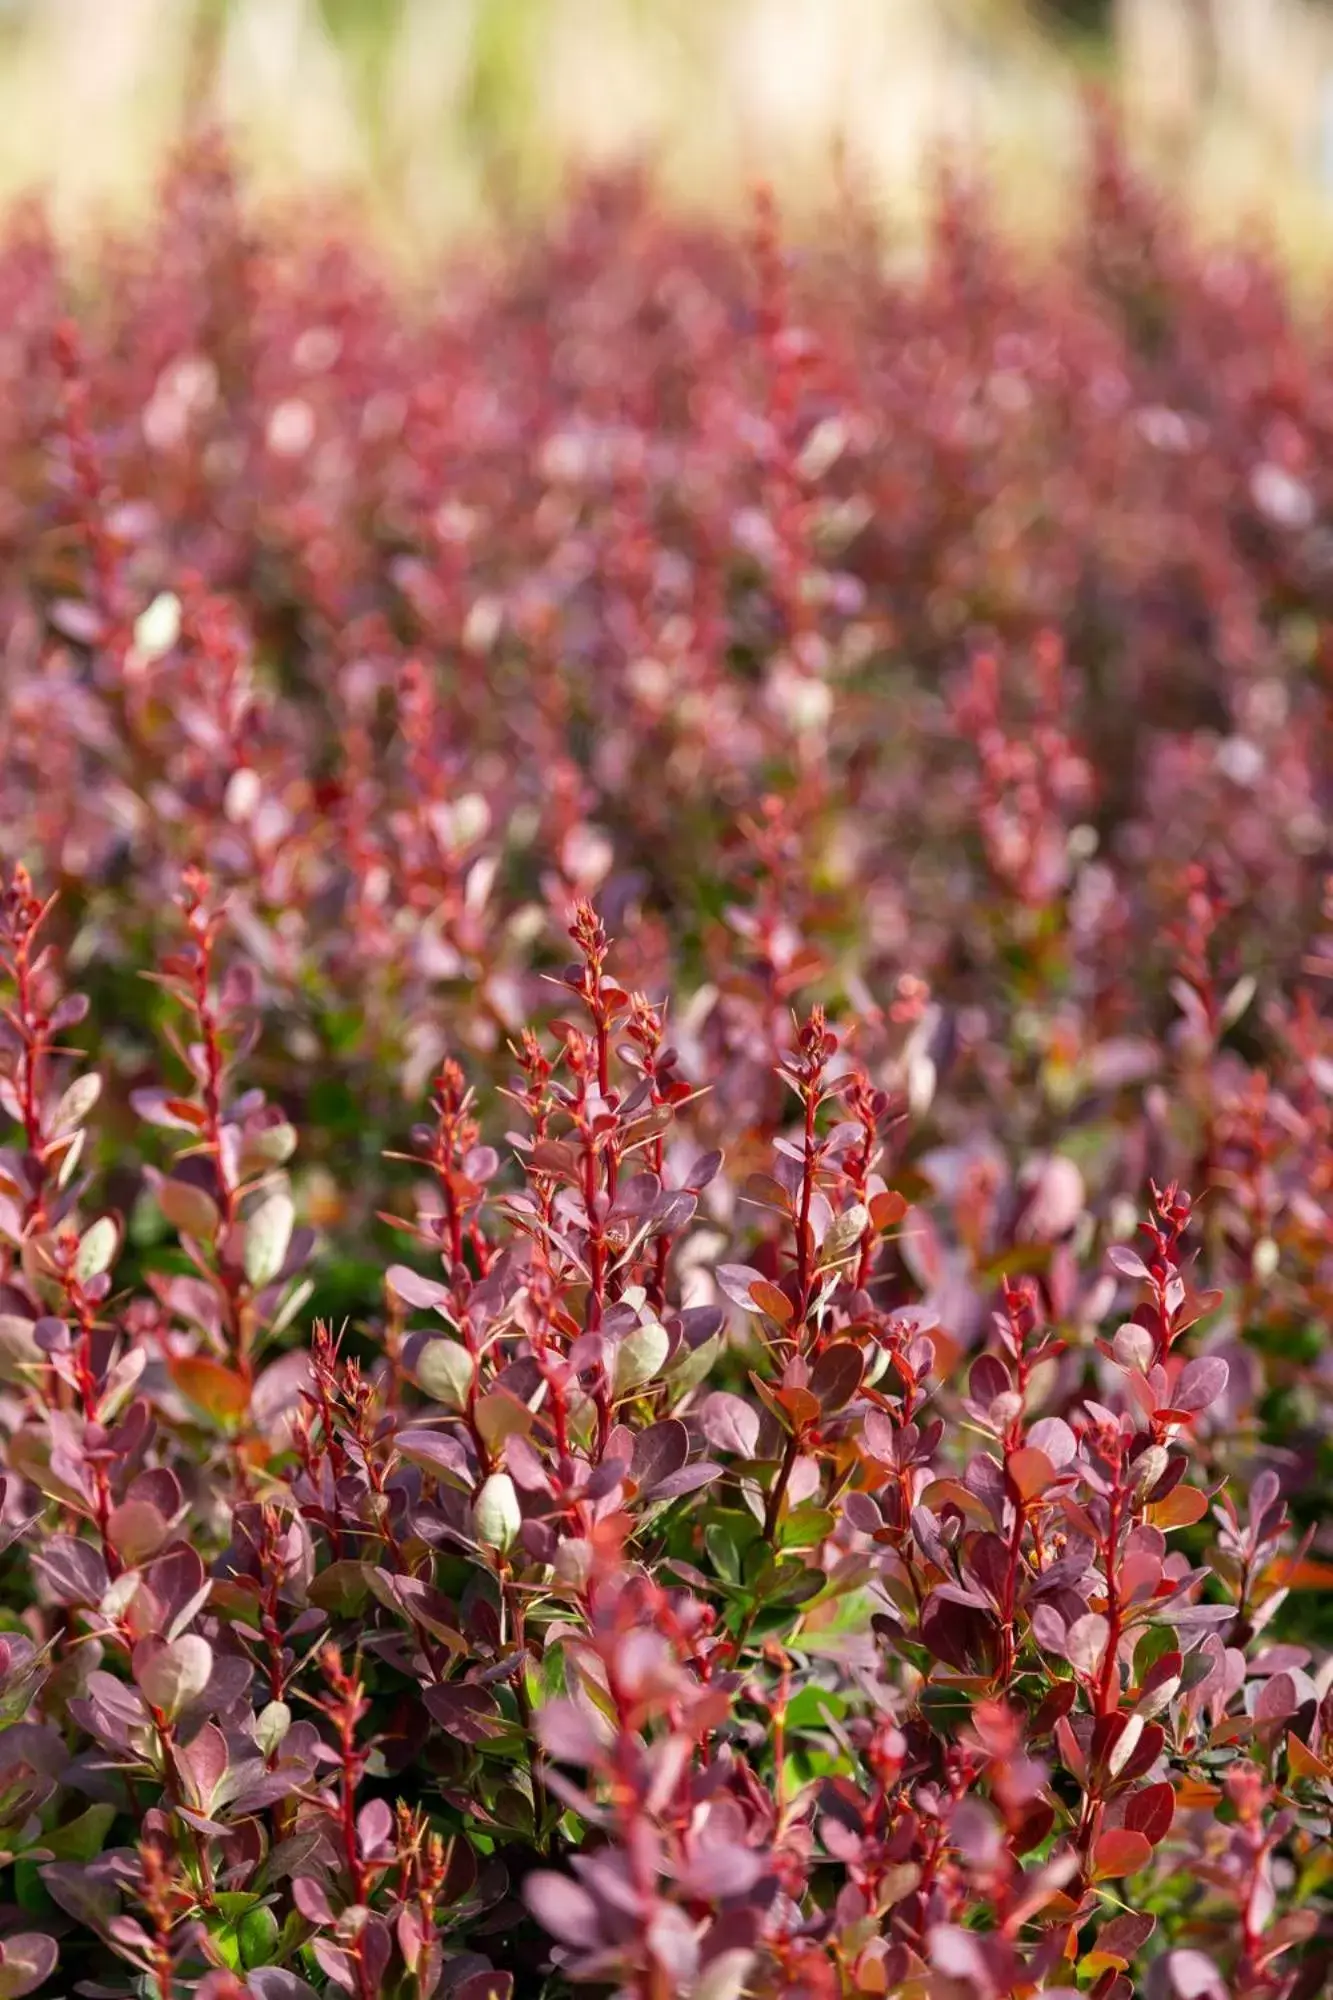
668, 1210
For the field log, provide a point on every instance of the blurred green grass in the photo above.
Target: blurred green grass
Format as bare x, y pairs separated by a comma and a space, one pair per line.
438, 113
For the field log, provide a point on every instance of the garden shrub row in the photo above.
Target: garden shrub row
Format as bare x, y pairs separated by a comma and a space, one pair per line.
666, 1214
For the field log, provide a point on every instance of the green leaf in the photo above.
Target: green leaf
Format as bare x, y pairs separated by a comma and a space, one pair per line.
291, 1306
1156, 1642
258, 1935
793, 1583
807, 1527
496, 1516
177, 1674
342, 1587
806, 1710
500, 1415
272, 1145
946, 1709
723, 1552
29, 1888
639, 1356
550, 1669
268, 1234
97, 1247
226, 1944
70, 1158
157, 629
689, 1367
233, 1904
18, 1349
446, 1372
271, 1725
76, 1103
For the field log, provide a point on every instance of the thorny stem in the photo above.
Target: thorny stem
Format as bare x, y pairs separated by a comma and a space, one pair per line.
513, 1597
803, 1242
167, 1746
25, 914
155, 1898
202, 925
1010, 1593
778, 1491
345, 1708
1108, 1688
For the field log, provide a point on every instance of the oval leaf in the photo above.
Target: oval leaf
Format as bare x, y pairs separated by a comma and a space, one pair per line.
97, 1248
1120, 1851
268, 1233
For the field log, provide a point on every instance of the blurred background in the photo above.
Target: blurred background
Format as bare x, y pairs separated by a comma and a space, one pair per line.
440, 111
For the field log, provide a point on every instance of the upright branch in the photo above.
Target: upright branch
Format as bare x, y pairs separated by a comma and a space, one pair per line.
226, 1192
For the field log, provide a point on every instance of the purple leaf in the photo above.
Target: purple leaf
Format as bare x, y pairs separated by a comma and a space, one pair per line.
470, 1713
1277, 1699
566, 1910
1055, 1198
271, 1982
310, 1899
203, 1761
439, 1453
74, 1570
716, 1873
730, 1425
690, 1479
1201, 1383
338, 1965
1053, 1436
374, 1829
82, 1894
663, 1448
484, 1986
568, 1733
172, 1675
734, 1282
1125, 1935
1194, 1977
1085, 1643
414, 1290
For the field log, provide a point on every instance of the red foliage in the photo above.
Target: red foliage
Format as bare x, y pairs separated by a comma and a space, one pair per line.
814, 1515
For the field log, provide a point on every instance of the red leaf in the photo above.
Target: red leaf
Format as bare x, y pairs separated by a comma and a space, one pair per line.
1151, 1811
800, 1406
1031, 1471
1071, 1750
836, 1375
1303, 1573
219, 1392
1120, 1851
887, 1208
1126, 1934
772, 1301
1179, 1509
1302, 1762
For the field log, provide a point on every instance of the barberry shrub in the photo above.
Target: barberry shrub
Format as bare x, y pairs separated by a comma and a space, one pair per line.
666, 1222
